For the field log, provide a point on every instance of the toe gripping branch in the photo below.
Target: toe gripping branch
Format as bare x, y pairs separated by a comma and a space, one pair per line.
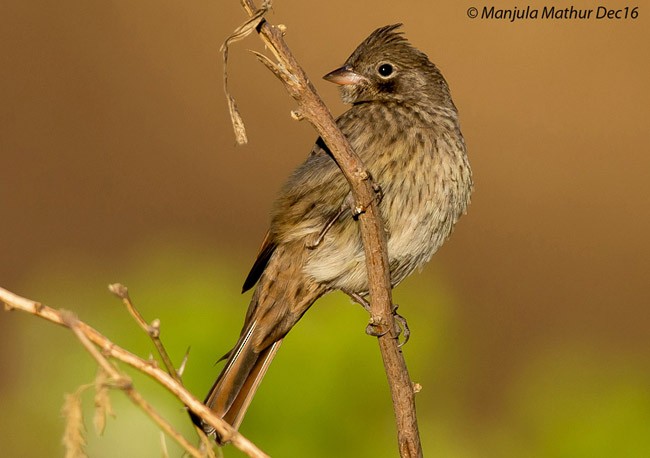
376, 328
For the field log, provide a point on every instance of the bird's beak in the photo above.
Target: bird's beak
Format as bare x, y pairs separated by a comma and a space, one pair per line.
344, 76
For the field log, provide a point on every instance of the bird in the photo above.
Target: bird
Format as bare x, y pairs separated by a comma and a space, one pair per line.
404, 126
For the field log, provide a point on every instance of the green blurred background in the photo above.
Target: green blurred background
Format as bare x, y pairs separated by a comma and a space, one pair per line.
531, 327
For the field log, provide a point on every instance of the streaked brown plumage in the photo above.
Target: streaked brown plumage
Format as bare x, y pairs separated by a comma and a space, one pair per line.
404, 125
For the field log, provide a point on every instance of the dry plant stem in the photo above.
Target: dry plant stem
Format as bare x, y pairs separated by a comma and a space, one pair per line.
109, 349
153, 330
313, 109
124, 383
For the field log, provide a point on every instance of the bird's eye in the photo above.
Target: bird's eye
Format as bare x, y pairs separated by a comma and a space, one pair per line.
385, 70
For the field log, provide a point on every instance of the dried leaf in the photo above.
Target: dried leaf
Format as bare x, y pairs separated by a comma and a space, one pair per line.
103, 405
163, 445
74, 436
240, 33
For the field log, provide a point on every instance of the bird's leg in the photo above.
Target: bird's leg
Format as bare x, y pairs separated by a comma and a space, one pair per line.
329, 224
348, 202
373, 327
359, 299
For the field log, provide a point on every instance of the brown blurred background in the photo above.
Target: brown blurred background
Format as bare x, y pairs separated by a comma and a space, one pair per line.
117, 163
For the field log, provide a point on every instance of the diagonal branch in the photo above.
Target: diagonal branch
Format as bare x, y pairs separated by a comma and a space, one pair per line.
123, 382
153, 329
312, 108
109, 349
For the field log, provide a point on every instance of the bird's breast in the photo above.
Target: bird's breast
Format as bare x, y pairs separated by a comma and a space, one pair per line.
421, 166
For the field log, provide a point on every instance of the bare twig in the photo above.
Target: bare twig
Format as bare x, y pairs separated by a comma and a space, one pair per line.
102, 402
153, 329
311, 107
123, 382
109, 349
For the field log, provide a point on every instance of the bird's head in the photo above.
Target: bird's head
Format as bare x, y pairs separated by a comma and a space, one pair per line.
385, 67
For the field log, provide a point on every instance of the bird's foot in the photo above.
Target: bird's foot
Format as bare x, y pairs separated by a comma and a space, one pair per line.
376, 327
402, 326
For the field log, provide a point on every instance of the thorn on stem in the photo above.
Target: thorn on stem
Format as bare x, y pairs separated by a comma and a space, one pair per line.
181, 369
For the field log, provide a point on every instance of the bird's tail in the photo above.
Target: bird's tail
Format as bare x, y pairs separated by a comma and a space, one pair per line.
235, 387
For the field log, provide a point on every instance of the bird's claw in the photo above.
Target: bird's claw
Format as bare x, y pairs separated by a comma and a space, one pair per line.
402, 327
376, 327
379, 193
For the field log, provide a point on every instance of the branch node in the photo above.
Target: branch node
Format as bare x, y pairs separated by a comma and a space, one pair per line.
68, 318
119, 290
297, 115
121, 383
362, 174
154, 328
101, 349
107, 349
358, 210
417, 388
377, 327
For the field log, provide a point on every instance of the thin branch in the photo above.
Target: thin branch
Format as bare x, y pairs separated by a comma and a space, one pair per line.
109, 349
124, 383
314, 110
153, 329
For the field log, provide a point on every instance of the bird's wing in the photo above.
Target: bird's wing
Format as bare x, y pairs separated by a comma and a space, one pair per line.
321, 154
263, 256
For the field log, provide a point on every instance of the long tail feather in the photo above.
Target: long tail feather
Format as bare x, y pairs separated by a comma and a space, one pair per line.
235, 387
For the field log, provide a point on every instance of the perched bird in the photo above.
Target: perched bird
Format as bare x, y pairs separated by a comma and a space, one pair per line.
404, 126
